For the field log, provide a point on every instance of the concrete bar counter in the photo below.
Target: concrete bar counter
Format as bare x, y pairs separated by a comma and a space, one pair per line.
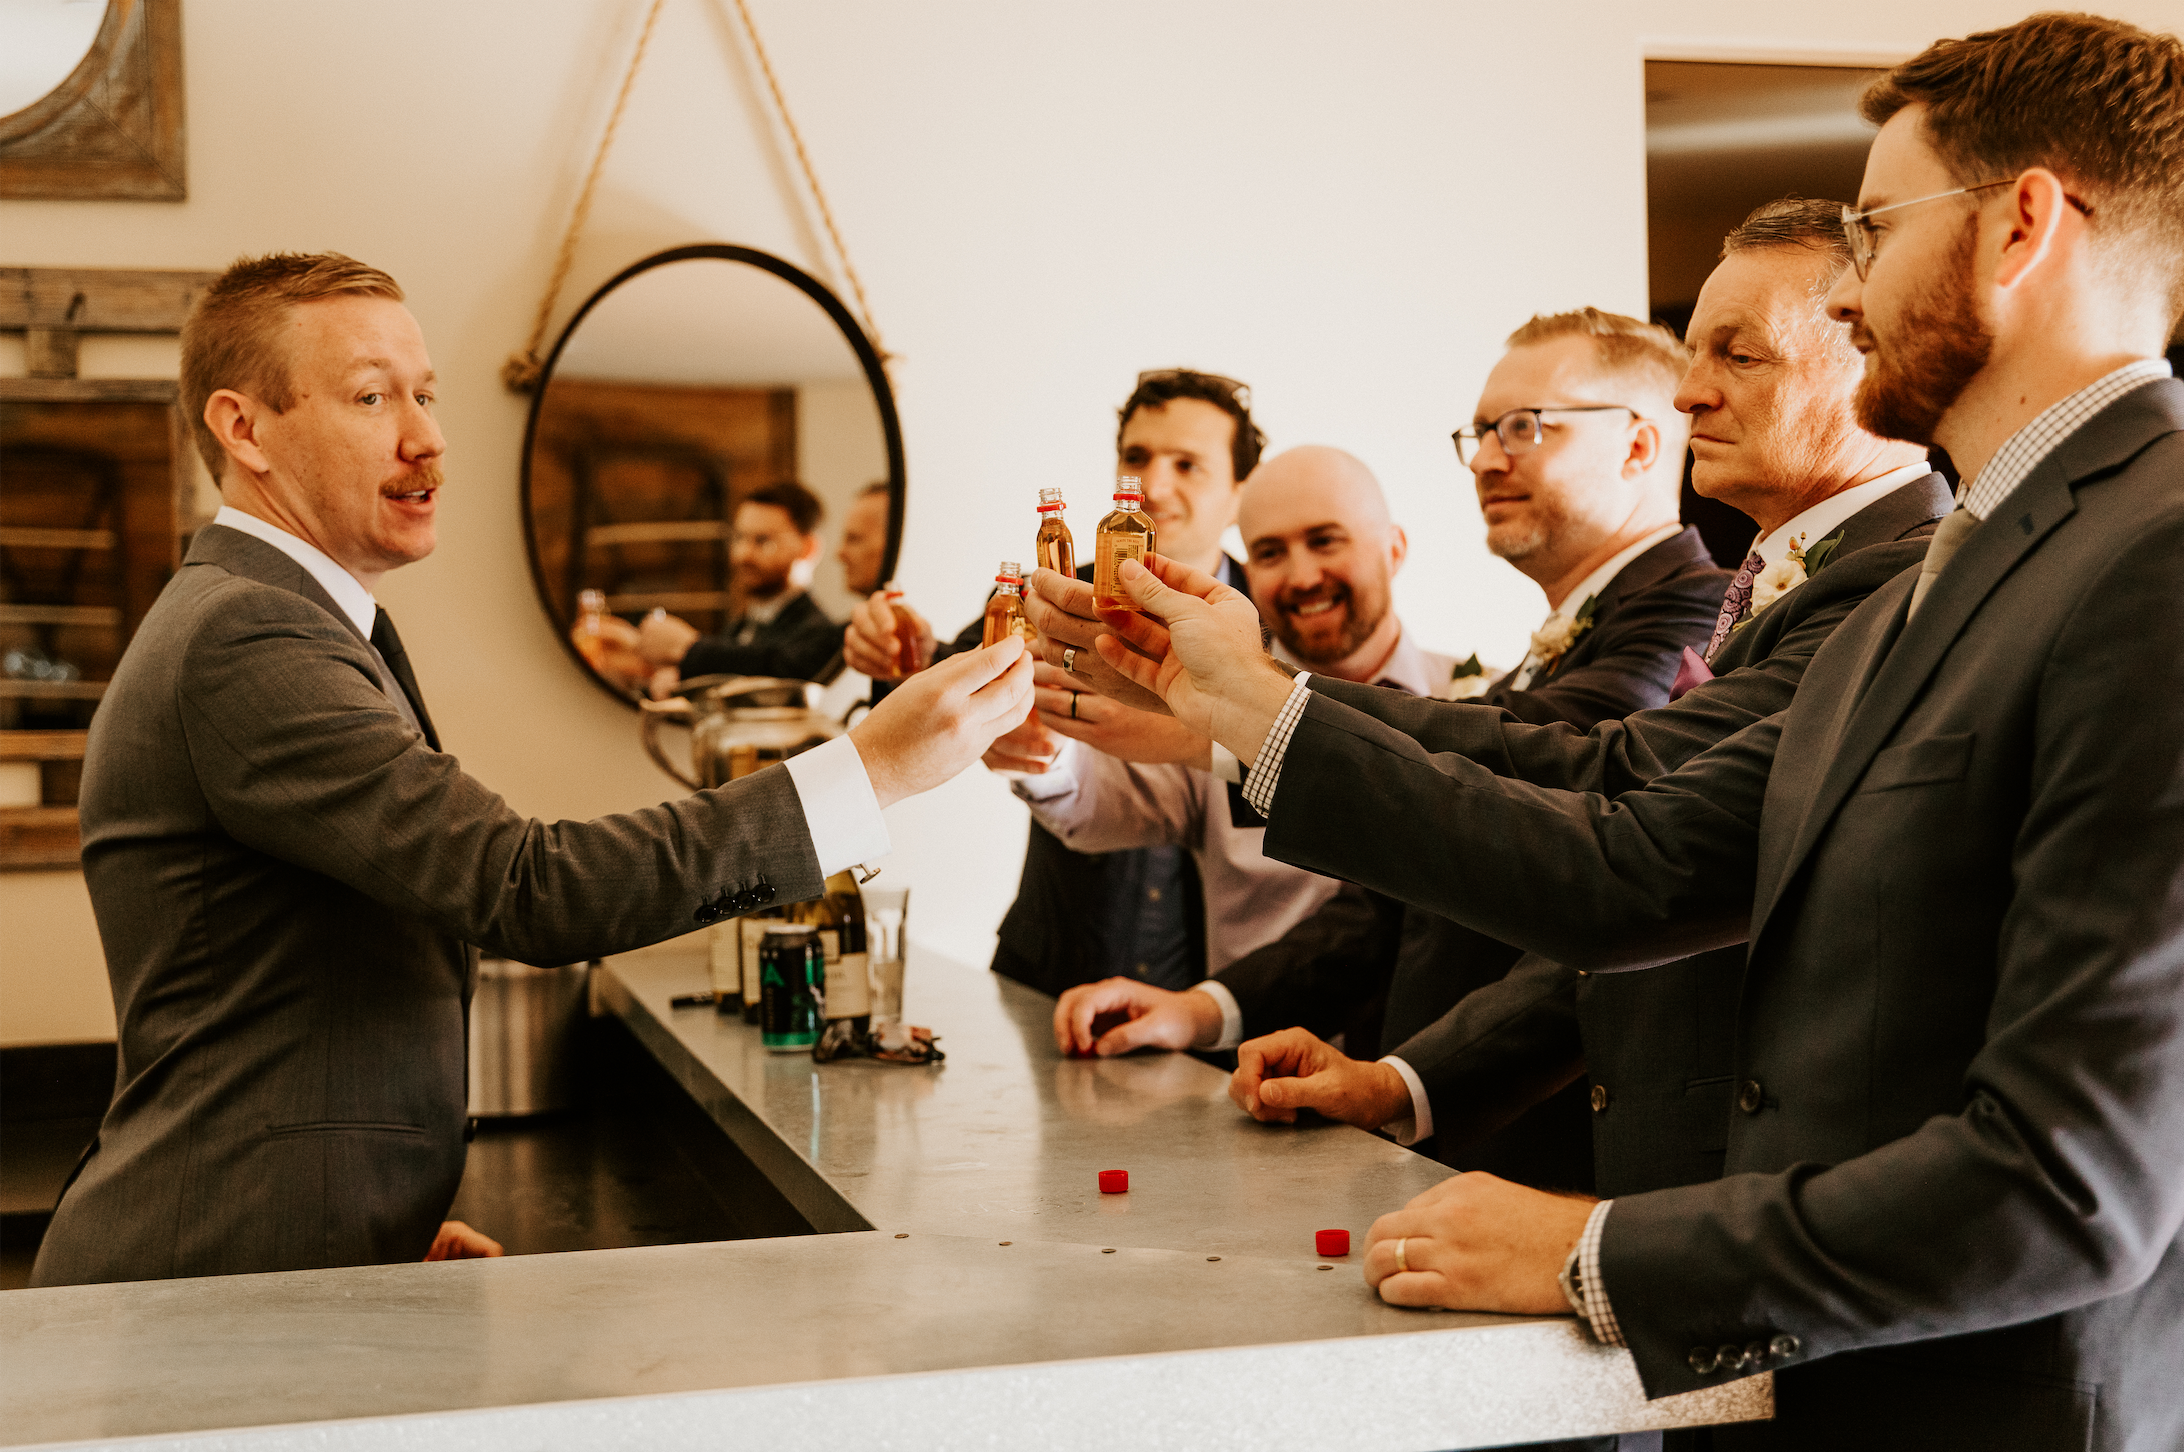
970, 1286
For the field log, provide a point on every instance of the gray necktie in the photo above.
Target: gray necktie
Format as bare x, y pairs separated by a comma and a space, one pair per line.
1948, 539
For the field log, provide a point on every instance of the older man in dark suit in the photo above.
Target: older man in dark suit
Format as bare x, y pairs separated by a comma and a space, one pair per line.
285, 867
1952, 1211
1771, 390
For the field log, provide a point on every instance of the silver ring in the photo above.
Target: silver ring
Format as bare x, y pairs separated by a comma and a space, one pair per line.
1073, 705
1402, 1262
1069, 659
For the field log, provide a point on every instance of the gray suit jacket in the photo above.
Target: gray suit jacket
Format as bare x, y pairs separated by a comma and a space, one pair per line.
285, 875
1656, 1046
1953, 1166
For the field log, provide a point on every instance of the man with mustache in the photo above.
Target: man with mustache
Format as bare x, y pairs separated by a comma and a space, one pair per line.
1951, 1211
1577, 463
1320, 555
286, 868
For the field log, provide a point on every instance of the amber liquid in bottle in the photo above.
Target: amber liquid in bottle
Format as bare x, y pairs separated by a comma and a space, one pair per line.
1126, 534
1055, 549
1005, 610
906, 636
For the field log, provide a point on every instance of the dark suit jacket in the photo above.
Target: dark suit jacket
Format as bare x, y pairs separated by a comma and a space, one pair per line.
798, 644
1656, 1047
1953, 1165
285, 876
1335, 970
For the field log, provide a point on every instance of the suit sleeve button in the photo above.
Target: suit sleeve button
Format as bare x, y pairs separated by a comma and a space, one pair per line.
1785, 1345
1751, 1097
1703, 1361
1600, 1098
1732, 1358
763, 894
1755, 1355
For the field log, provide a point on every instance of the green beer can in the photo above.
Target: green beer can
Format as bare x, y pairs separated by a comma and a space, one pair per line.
791, 967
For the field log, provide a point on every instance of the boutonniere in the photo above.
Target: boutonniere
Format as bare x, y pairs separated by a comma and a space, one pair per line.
1792, 570
1552, 641
1467, 680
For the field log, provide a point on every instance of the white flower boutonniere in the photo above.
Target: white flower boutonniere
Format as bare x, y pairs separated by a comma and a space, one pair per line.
1553, 640
1777, 580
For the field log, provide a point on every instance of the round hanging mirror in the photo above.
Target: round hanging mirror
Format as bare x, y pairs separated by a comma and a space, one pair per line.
688, 383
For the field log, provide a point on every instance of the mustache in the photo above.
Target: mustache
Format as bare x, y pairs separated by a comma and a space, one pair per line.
427, 477
1318, 594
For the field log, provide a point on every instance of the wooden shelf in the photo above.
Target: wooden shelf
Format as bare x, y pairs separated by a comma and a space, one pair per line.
669, 600
39, 837
659, 531
43, 745
24, 538
53, 690
60, 615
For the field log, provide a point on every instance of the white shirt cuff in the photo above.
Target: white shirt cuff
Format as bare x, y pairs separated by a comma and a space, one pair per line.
1058, 780
1232, 1015
1266, 772
1420, 1124
1225, 765
1598, 1311
840, 809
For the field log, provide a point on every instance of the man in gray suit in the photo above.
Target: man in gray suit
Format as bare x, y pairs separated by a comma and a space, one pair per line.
287, 869
1952, 1211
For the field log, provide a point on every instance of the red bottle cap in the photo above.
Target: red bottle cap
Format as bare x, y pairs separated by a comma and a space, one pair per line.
1331, 1242
1114, 1182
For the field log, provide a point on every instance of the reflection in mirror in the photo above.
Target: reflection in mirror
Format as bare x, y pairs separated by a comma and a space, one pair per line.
41, 43
695, 381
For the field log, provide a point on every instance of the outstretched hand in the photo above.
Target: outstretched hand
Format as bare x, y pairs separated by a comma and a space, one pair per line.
1060, 608
1066, 708
1196, 646
943, 718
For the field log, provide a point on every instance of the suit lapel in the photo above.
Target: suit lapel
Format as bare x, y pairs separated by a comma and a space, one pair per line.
1901, 656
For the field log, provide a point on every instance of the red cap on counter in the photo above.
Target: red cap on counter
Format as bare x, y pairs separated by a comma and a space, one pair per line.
1114, 1182
1331, 1242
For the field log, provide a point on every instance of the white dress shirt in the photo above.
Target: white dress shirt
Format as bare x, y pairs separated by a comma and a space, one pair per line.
1096, 803
1587, 590
1822, 520
840, 808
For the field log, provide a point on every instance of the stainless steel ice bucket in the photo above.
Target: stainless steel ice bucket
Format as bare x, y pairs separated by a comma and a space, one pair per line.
523, 1037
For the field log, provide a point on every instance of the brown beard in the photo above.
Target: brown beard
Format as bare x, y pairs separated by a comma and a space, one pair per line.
1355, 632
1941, 344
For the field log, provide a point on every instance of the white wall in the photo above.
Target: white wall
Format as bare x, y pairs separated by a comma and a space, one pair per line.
1347, 206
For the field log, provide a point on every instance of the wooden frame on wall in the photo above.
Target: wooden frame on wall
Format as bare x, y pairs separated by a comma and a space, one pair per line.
53, 307
113, 129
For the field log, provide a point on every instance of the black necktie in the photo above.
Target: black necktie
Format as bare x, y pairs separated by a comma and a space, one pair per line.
410, 701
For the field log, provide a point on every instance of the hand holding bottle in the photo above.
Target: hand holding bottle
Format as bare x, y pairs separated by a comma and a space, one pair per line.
879, 629
1198, 647
943, 719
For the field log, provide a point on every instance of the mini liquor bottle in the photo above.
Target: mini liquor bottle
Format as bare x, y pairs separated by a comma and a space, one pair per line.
1126, 534
1055, 549
906, 635
1005, 609
842, 934
591, 627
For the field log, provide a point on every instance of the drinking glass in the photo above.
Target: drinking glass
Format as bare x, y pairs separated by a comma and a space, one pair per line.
886, 909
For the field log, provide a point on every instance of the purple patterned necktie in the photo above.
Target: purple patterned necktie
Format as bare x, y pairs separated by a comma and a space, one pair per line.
1735, 603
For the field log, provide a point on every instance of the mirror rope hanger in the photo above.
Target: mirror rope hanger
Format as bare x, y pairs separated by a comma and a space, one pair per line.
521, 372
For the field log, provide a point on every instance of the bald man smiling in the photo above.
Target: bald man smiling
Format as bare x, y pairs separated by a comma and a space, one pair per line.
1321, 553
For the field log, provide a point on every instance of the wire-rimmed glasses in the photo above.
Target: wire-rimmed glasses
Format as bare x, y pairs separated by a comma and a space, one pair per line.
1865, 241
1520, 430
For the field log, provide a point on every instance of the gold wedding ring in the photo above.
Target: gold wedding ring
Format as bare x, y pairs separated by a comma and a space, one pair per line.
1073, 704
1402, 1262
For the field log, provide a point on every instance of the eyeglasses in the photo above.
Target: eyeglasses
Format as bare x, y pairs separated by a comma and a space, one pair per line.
1520, 431
1865, 240
1241, 392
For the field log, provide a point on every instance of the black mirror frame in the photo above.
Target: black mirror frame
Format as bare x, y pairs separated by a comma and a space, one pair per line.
867, 356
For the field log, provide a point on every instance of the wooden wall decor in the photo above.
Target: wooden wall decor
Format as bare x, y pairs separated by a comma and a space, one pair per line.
114, 128
101, 495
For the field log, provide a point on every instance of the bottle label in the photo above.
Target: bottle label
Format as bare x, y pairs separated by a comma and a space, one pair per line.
830, 942
849, 985
724, 954
1107, 590
753, 933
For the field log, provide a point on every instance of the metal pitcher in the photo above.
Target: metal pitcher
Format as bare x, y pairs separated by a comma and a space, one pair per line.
737, 725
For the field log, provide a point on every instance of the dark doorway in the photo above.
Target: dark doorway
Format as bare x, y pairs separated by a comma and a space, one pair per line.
1722, 138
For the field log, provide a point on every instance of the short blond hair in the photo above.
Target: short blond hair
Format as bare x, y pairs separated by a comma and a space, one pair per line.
1634, 349
229, 339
